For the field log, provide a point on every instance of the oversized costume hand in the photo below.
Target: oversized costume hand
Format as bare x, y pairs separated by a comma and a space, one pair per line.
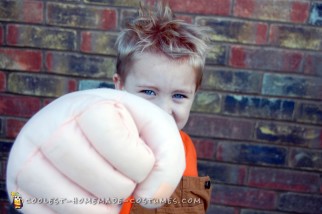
96, 144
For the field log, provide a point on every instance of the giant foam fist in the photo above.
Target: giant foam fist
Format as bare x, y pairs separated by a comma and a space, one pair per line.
96, 144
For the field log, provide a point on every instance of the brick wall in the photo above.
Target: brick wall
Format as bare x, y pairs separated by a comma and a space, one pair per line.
256, 122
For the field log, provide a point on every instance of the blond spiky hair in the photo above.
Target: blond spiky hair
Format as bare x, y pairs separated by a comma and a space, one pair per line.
159, 32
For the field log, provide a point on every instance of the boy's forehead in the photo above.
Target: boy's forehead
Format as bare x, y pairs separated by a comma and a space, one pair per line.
158, 59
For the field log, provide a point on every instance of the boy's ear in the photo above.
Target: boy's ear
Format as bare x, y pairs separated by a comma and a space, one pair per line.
117, 82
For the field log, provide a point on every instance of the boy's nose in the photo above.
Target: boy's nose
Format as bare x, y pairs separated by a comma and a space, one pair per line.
166, 106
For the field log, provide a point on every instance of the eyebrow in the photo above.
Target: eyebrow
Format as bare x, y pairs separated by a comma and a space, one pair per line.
184, 91
148, 86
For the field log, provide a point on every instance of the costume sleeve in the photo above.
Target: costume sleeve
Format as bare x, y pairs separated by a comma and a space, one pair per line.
191, 155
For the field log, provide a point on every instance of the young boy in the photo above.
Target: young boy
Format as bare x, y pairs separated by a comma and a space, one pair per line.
161, 59
80, 158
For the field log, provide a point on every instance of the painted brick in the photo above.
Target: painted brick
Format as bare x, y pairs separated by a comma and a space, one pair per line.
205, 148
209, 7
207, 101
316, 14
282, 10
119, 3
222, 127
229, 80
251, 154
248, 211
309, 113
296, 37
217, 54
41, 37
3, 81
279, 179
223, 173
16, 59
300, 203
258, 107
21, 11
243, 197
13, 127
228, 30
80, 16
80, 65
98, 42
257, 58
40, 85
292, 86
294, 135
313, 64
306, 159
19, 106
90, 84
220, 209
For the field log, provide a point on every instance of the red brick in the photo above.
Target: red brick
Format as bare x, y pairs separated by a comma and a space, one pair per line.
47, 101
41, 37
261, 33
19, 105
237, 31
72, 85
13, 127
254, 154
206, 148
33, 11
81, 16
22, 11
86, 44
278, 179
244, 197
306, 159
1, 35
223, 127
213, 7
244, 8
98, 42
299, 203
3, 81
49, 60
16, 59
4, 204
268, 59
187, 19
12, 34
282, 10
300, 12
39, 84
80, 65
298, 37
108, 19
238, 56
222, 173
313, 64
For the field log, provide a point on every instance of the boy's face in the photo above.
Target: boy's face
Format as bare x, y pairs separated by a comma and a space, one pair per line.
168, 84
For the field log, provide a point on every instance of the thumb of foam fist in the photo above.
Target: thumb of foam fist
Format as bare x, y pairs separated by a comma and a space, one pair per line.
87, 151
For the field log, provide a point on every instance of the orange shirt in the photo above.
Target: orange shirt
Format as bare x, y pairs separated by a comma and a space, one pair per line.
191, 166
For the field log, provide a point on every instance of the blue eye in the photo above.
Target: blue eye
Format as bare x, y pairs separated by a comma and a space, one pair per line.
179, 96
149, 92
